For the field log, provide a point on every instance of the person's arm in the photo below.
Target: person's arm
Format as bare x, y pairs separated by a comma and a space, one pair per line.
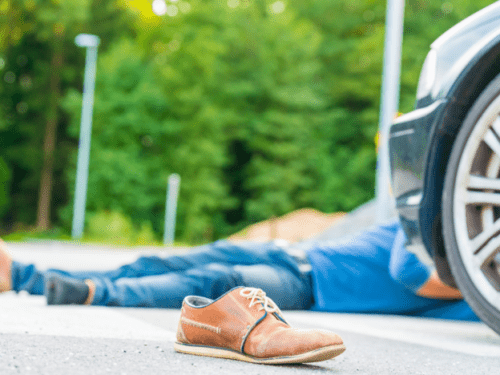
435, 288
407, 269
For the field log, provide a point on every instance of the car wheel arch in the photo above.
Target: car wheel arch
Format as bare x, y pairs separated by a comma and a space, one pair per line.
460, 100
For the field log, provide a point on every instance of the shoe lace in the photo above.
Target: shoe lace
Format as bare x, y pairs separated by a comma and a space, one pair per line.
259, 296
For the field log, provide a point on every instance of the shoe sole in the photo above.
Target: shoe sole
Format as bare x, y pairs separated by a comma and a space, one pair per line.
321, 354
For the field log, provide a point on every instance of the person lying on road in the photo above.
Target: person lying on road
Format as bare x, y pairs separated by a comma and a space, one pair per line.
368, 273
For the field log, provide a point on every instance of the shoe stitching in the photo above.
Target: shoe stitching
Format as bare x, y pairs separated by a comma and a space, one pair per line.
181, 336
201, 325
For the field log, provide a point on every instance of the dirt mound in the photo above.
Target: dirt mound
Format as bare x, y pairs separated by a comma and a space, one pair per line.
295, 226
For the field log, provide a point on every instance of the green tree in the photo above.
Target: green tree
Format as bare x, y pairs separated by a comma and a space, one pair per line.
133, 138
245, 83
5, 176
261, 106
40, 61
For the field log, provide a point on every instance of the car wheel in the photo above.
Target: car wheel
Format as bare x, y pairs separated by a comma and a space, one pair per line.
471, 207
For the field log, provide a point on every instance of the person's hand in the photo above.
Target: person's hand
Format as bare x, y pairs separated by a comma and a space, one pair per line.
435, 288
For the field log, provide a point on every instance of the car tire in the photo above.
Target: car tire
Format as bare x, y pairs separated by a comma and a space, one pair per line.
471, 207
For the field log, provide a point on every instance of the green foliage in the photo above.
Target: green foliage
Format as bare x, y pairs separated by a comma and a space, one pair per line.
132, 135
5, 176
117, 228
261, 100
261, 106
21, 234
32, 33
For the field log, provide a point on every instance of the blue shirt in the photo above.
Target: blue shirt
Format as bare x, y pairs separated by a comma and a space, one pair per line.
374, 273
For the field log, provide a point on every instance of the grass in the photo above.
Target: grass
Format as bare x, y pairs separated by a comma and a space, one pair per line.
58, 234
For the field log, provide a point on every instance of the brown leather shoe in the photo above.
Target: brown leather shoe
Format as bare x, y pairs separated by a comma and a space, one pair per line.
5, 267
246, 325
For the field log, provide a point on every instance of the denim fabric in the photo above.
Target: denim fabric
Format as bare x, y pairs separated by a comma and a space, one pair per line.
355, 274
209, 271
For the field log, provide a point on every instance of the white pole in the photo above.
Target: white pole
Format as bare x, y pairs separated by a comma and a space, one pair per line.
389, 103
91, 42
174, 181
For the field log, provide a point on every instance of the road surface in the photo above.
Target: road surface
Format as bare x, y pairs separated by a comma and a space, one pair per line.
40, 339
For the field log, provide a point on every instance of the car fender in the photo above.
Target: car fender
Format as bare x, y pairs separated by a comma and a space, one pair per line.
471, 66
464, 82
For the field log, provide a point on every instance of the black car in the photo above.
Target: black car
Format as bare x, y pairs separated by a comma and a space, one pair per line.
445, 162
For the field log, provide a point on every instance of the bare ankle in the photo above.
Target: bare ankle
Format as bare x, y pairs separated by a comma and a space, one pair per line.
90, 297
5, 268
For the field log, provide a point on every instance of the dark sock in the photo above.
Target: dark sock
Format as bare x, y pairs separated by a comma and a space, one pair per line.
61, 290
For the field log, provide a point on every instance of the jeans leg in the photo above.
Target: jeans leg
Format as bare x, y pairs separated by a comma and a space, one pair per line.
217, 252
143, 266
167, 290
289, 290
27, 277
246, 253
210, 271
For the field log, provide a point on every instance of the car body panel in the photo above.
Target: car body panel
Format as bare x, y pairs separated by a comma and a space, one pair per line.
460, 48
408, 141
420, 142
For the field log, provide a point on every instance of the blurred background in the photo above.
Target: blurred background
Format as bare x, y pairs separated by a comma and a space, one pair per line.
262, 107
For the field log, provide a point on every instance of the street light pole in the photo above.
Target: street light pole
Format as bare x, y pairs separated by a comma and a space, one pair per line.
91, 42
174, 181
389, 103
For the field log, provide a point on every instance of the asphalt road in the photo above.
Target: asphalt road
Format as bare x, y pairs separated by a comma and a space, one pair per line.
40, 339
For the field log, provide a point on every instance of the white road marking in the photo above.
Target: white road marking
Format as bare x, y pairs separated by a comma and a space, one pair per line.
29, 314
462, 337
23, 314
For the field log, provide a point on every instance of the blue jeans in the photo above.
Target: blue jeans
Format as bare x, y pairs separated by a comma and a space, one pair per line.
209, 271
